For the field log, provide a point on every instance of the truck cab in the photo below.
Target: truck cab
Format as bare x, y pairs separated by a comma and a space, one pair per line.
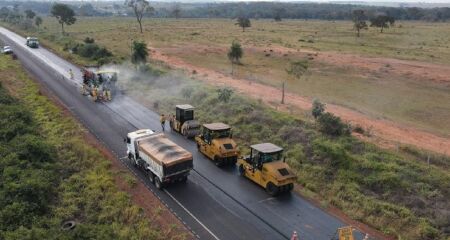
32, 42
215, 142
131, 141
183, 122
265, 166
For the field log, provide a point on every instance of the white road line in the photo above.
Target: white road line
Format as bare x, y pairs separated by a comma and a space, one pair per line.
192, 215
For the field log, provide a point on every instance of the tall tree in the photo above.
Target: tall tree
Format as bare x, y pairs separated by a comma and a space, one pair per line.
278, 14
30, 14
176, 11
140, 8
140, 53
38, 21
235, 54
64, 14
243, 22
359, 21
382, 22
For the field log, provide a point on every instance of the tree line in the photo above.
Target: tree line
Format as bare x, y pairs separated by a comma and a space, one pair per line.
254, 10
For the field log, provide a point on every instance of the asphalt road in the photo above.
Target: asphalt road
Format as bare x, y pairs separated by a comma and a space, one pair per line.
215, 203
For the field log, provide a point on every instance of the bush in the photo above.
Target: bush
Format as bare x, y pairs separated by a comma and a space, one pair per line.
332, 125
92, 51
317, 108
224, 94
89, 40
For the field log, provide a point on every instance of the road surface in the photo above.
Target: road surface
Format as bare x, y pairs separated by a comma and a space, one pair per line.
215, 203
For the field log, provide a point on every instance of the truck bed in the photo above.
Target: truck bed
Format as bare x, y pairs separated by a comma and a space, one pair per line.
163, 151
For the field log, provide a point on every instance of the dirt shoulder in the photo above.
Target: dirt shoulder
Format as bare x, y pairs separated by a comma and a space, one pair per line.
384, 132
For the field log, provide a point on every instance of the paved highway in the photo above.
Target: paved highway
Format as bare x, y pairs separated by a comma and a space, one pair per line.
215, 203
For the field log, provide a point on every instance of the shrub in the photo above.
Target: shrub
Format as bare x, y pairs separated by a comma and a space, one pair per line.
224, 94
89, 40
332, 125
317, 108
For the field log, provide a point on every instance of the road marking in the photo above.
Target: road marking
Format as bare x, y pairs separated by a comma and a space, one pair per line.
267, 199
192, 215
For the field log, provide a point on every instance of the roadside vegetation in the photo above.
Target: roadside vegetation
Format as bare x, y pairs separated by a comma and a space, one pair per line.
50, 176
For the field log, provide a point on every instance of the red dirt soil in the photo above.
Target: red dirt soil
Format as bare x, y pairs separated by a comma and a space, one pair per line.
385, 133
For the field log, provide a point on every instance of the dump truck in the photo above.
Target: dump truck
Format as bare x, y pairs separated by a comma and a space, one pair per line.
215, 142
99, 85
163, 161
266, 166
183, 122
32, 42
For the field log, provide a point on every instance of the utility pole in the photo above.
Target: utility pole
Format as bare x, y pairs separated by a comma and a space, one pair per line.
282, 94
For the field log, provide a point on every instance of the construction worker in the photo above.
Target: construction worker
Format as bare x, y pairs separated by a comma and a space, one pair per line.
71, 74
94, 94
162, 119
294, 236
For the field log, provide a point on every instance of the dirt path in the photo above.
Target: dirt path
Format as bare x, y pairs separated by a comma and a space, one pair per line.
385, 133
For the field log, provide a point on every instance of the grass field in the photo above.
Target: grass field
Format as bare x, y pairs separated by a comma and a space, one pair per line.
381, 91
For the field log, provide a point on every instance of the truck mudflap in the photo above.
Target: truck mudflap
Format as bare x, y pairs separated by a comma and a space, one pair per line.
176, 177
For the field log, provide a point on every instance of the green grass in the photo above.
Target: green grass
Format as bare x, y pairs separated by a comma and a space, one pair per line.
49, 174
381, 94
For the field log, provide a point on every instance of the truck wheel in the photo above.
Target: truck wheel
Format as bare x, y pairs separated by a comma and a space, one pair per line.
183, 179
198, 146
158, 183
218, 161
290, 187
271, 189
150, 176
241, 170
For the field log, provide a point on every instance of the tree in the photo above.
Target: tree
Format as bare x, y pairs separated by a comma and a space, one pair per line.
382, 21
298, 68
278, 13
4, 13
140, 53
235, 54
64, 14
38, 21
30, 14
87, 10
140, 7
317, 109
243, 22
359, 21
176, 11
331, 124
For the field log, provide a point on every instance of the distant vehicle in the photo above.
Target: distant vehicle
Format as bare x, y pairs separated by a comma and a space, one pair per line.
163, 161
32, 42
265, 167
7, 50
